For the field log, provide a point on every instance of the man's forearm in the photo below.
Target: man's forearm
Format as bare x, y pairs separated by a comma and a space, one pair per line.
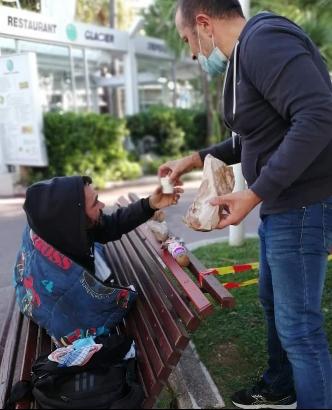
225, 151
123, 220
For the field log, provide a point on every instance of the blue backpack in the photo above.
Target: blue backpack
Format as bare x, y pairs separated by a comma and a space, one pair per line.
62, 297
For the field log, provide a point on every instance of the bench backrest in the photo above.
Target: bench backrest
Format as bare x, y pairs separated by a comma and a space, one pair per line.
171, 302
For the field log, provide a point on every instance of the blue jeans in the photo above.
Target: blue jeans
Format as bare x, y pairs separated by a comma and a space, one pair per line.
294, 249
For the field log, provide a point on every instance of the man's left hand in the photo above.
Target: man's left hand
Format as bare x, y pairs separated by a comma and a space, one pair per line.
235, 206
158, 200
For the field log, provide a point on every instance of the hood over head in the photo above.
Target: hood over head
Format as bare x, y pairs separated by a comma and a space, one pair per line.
55, 211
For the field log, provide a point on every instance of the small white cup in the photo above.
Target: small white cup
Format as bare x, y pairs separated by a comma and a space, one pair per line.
166, 185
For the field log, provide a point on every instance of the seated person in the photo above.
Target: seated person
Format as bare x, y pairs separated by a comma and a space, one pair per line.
60, 269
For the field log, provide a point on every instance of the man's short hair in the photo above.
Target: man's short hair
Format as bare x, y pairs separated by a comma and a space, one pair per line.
86, 180
213, 8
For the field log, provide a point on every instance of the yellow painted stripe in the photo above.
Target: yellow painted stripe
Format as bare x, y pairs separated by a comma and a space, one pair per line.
226, 270
249, 283
230, 269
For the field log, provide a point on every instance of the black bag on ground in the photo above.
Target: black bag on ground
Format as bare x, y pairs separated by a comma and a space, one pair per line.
105, 387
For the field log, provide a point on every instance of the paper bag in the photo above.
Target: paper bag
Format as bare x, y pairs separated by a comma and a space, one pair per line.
218, 179
159, 229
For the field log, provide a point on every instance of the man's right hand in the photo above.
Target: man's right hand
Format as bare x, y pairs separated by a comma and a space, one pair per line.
175, 169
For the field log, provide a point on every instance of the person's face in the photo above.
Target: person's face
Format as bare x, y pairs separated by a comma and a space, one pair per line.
189, 35
93, 207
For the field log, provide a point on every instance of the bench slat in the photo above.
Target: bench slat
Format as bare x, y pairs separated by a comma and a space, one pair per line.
212, 284
201, 303
126, 329
133, 322
159, 367
189, 318
45, 345
143, 303
6, 325
31, 352
176, 332
151, 384
8, 364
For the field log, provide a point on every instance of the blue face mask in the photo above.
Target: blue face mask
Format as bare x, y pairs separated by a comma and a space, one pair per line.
216, 63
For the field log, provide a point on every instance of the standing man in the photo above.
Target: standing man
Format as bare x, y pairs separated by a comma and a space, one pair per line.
278, 101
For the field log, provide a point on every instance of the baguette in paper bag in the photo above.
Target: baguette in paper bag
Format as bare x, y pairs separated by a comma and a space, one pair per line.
218, 179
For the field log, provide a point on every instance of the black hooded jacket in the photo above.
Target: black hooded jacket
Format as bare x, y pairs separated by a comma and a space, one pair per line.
55, 211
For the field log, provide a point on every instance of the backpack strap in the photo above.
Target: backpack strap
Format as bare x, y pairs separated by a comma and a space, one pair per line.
21, 390
132, 400
131, 371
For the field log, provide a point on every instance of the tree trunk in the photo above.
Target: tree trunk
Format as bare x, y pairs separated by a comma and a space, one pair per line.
113, 100
112, 13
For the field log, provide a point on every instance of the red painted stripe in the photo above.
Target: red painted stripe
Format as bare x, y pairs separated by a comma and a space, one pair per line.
242, 268
232, 285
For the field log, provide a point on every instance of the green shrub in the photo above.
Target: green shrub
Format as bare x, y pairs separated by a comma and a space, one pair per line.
160, 123
176, 130
150, 164
199, 138
197, 135
86, 144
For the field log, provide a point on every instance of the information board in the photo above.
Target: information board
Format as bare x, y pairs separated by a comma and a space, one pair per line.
21, 117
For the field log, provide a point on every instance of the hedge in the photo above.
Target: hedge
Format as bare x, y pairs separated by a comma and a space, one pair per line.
175, 130
86, 144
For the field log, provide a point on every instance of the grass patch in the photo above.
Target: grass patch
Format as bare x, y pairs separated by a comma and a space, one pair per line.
232, 343
166, 400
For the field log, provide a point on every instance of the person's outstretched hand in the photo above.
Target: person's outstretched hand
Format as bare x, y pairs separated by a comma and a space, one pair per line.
158, 200
235, 207
175, 169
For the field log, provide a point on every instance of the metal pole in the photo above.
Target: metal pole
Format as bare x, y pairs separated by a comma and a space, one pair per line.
112, 92
237, 233
131, 80
73, 80
87, 81
112, 13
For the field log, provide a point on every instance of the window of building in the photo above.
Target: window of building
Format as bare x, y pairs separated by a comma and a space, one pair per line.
55, 77
7, 46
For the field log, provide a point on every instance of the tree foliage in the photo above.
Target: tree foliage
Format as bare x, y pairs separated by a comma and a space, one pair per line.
159, 22
33, 5
98, 12
93, 11
314, 16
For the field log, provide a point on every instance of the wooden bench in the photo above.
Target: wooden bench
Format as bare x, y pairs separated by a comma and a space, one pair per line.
171, 304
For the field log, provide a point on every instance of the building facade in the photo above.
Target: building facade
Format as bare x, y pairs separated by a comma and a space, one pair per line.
87, 68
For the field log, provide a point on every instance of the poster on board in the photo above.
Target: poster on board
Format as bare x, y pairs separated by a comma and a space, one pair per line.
21, 116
